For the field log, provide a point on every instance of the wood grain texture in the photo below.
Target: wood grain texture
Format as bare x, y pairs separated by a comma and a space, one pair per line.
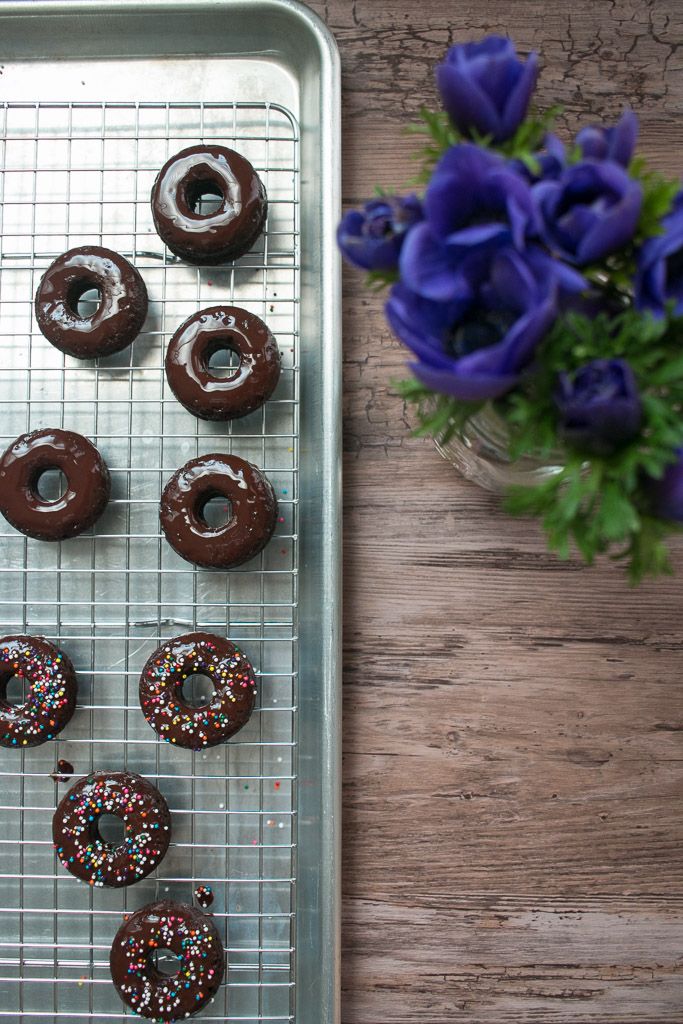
513, 725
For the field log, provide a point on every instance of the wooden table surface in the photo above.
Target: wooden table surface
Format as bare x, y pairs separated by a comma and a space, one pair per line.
513, 725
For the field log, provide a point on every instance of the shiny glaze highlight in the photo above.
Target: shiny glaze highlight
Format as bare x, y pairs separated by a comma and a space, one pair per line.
208, 238
147, 823
185, 931
52, 687
254, 511
87, 491
228, 708
207, 332
121, 312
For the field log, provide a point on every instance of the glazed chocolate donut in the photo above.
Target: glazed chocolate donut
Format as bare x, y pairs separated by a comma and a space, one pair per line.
161, 690
121, 312
75, 831
51, 698
87, 491
254, 511
208, 332
214, 237
183, 930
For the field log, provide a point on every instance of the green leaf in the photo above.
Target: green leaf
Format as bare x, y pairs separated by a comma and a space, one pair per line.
595, 505
438, 415
377, 280
658, 196
599, 504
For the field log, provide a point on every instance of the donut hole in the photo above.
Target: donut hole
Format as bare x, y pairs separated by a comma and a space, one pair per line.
215, 511
223, 361
197, 690
165, 962
111, 829
204, 197
14, 690
51, 485
84, 299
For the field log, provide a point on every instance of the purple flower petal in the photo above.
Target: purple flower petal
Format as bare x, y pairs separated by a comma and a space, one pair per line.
478, 234
592, 142
666, 495
486, 88
599, 408
591, 210
471, 388
371, 238
623, 138
428, 268
513, 280
615, 228
477, 347
518, 101
466, 104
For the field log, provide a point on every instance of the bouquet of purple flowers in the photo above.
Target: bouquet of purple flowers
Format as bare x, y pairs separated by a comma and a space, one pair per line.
546, 280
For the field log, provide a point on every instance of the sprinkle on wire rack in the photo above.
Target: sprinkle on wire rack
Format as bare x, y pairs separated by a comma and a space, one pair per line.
81, 173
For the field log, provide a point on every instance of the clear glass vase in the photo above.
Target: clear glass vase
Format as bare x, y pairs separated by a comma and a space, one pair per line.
479, 452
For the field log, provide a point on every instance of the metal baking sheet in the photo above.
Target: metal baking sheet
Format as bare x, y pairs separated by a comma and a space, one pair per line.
93, 98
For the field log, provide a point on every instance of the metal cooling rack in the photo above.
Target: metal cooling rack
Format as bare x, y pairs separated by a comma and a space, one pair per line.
81, 173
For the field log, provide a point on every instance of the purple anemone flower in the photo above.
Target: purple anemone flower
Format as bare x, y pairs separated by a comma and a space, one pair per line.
617, 142
371, 238
473, 200
660, 266
590, 211
486, 88
476, 345
551, 161
666, 495
599, 406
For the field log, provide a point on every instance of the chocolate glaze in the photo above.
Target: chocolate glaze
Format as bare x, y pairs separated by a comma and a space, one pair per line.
215, 237
254, 511
183, 930
51, 698
204, 896
147, 822
63, 772
207, 332
119, 316
230, 706
86, 495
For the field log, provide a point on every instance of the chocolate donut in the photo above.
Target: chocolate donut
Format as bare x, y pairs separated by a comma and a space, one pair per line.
51, 698
208, 332
254, 511
119, 316
76, 836
87, 491
161, 690
214, 237
183, 930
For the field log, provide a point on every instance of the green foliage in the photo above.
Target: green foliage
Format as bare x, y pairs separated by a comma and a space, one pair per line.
377, 280
598, 503
529, 137
441, 134
439, 416
658, 195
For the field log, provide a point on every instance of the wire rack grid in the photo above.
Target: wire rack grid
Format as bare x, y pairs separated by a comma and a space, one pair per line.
76, 174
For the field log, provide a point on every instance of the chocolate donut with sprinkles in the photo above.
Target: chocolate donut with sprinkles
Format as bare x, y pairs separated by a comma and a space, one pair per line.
51, 697
147, 829
177, 928
161, 690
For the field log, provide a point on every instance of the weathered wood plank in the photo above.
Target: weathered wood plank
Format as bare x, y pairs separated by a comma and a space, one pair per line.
513, 725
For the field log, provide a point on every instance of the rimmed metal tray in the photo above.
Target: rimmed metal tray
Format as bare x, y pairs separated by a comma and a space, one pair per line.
93, 97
